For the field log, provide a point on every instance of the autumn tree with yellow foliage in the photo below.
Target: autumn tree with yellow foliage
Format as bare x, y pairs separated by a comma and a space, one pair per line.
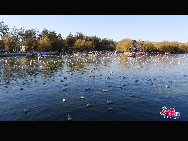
82, 45
124, 45
44, 45
10, 42
147, 46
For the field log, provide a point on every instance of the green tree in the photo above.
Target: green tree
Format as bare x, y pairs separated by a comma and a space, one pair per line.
30, 39
69, 43
52, 36
18, 34
43, 34
1, 45
97, 42
4, 29
79, 35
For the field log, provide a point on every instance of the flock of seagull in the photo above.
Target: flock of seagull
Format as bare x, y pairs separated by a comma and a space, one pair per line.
65, 59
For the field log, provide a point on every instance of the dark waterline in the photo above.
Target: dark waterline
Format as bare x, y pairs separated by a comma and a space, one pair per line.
39, 85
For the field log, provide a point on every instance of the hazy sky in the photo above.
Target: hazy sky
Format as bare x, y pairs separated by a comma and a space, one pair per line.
116, 27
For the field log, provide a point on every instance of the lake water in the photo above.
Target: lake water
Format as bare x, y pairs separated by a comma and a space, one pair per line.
39, 85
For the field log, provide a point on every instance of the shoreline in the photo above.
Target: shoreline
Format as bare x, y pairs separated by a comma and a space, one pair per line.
24, 54
61, 53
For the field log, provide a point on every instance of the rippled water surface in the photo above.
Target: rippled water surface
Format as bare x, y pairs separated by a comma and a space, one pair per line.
39, 86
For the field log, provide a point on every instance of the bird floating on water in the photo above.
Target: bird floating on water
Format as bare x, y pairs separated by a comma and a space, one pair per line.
120, 87
167, 86
110, 109
123, 84
82, 97
64, 89
26, 111
69, 118
87, 89
132, 95
109, 102
89, 105
104, 90
64, 100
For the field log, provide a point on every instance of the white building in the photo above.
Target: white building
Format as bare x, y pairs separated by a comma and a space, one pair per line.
22, 48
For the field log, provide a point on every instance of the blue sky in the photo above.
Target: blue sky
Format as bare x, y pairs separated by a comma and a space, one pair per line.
116, 27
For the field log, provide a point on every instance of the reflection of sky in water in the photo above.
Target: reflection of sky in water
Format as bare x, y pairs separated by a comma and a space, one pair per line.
46, 81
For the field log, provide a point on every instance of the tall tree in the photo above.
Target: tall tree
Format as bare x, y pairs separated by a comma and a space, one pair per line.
18, 34
83, 45
52, 36
4, 29
10, 42
69, 43
97, 42
79, 35
125, 45
44, 45
148, 47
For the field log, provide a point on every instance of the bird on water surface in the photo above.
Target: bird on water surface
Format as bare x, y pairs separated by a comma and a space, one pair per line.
64, 100
69, 118
82, 97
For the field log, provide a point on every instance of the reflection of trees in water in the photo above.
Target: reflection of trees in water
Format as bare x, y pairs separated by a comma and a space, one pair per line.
75, 62
21, 67
124, 61
142, 61
80, 62
145, 61
9, 67
161, 61
98, 61
11, 62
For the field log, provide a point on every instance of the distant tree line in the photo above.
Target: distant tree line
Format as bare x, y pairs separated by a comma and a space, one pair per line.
18, 39
147, 46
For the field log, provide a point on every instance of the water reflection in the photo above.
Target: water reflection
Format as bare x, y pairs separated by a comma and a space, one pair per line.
12, 67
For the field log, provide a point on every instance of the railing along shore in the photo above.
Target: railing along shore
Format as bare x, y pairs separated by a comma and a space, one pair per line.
24, 53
